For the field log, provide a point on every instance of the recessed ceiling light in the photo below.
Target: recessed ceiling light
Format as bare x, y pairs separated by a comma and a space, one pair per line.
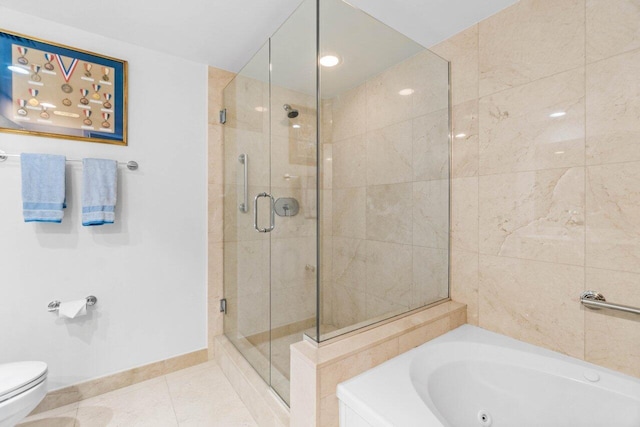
329, 61
406, 92
461, 135
296, 126
557, 114
18, 70
260, 109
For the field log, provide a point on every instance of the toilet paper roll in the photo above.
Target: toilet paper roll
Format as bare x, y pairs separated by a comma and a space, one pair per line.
72, 309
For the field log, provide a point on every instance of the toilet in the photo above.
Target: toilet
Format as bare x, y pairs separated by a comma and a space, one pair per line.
22, 386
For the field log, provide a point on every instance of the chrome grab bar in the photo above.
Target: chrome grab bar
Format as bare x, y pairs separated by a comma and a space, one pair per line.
596, 300
272, 215
244, 206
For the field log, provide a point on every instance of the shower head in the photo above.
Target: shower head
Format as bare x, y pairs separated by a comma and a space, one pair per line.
292, 113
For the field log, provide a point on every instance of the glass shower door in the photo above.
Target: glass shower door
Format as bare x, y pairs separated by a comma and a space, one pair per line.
247, 251
270, 200
293, 185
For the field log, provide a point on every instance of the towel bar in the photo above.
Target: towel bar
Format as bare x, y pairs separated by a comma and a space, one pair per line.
55, 305
596, 300
131, 165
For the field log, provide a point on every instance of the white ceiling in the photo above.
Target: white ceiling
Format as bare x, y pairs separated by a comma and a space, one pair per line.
226, 33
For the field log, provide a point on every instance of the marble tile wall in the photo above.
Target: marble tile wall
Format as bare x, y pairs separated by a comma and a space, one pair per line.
547, 205
385, 233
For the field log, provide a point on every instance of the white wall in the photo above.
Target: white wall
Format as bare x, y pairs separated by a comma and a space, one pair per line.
149, 269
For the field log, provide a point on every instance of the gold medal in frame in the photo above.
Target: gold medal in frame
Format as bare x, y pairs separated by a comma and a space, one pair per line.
49, 89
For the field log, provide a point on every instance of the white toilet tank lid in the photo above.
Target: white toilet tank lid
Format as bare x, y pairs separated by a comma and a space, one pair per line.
19, 375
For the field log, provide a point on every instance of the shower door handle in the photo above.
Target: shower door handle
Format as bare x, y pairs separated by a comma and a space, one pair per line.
272, 214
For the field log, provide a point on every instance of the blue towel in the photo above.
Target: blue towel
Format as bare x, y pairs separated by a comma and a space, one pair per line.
43, 187
99, 191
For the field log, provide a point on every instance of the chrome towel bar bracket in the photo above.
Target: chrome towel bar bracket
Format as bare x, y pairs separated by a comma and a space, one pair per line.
55, 305
596, 300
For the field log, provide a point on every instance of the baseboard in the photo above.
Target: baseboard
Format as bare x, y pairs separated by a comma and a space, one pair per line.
97, 386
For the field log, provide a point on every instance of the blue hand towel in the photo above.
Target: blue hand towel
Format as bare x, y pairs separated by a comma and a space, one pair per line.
43, 187
99, 191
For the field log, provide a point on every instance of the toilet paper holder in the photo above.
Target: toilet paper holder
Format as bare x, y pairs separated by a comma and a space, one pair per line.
55, 305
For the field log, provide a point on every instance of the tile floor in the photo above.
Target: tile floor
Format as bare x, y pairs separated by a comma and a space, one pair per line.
200, 396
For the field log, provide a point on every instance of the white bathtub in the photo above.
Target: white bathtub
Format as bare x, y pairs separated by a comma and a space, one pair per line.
470, 377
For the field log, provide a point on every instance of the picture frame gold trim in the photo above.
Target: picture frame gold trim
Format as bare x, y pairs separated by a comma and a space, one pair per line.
9, 41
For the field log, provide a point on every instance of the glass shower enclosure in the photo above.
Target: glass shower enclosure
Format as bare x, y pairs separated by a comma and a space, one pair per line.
336, 193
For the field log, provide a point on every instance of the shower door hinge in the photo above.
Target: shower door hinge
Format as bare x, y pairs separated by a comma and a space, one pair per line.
223, 116
223, 305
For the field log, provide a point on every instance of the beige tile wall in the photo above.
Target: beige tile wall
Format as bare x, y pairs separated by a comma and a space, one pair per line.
544, 208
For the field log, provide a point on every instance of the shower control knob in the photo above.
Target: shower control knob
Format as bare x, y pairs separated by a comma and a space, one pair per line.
287, 206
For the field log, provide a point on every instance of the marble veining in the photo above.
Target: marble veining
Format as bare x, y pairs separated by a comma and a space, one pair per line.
389, 151
530, 40
612, 339
508, 289
430, 214
464, 144
389, 271
519, 133
464, 214
613, 216
430, 150
613, 109
388, 208
612, 28
534, 215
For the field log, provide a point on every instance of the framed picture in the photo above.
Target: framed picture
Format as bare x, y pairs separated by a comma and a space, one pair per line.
52, 90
